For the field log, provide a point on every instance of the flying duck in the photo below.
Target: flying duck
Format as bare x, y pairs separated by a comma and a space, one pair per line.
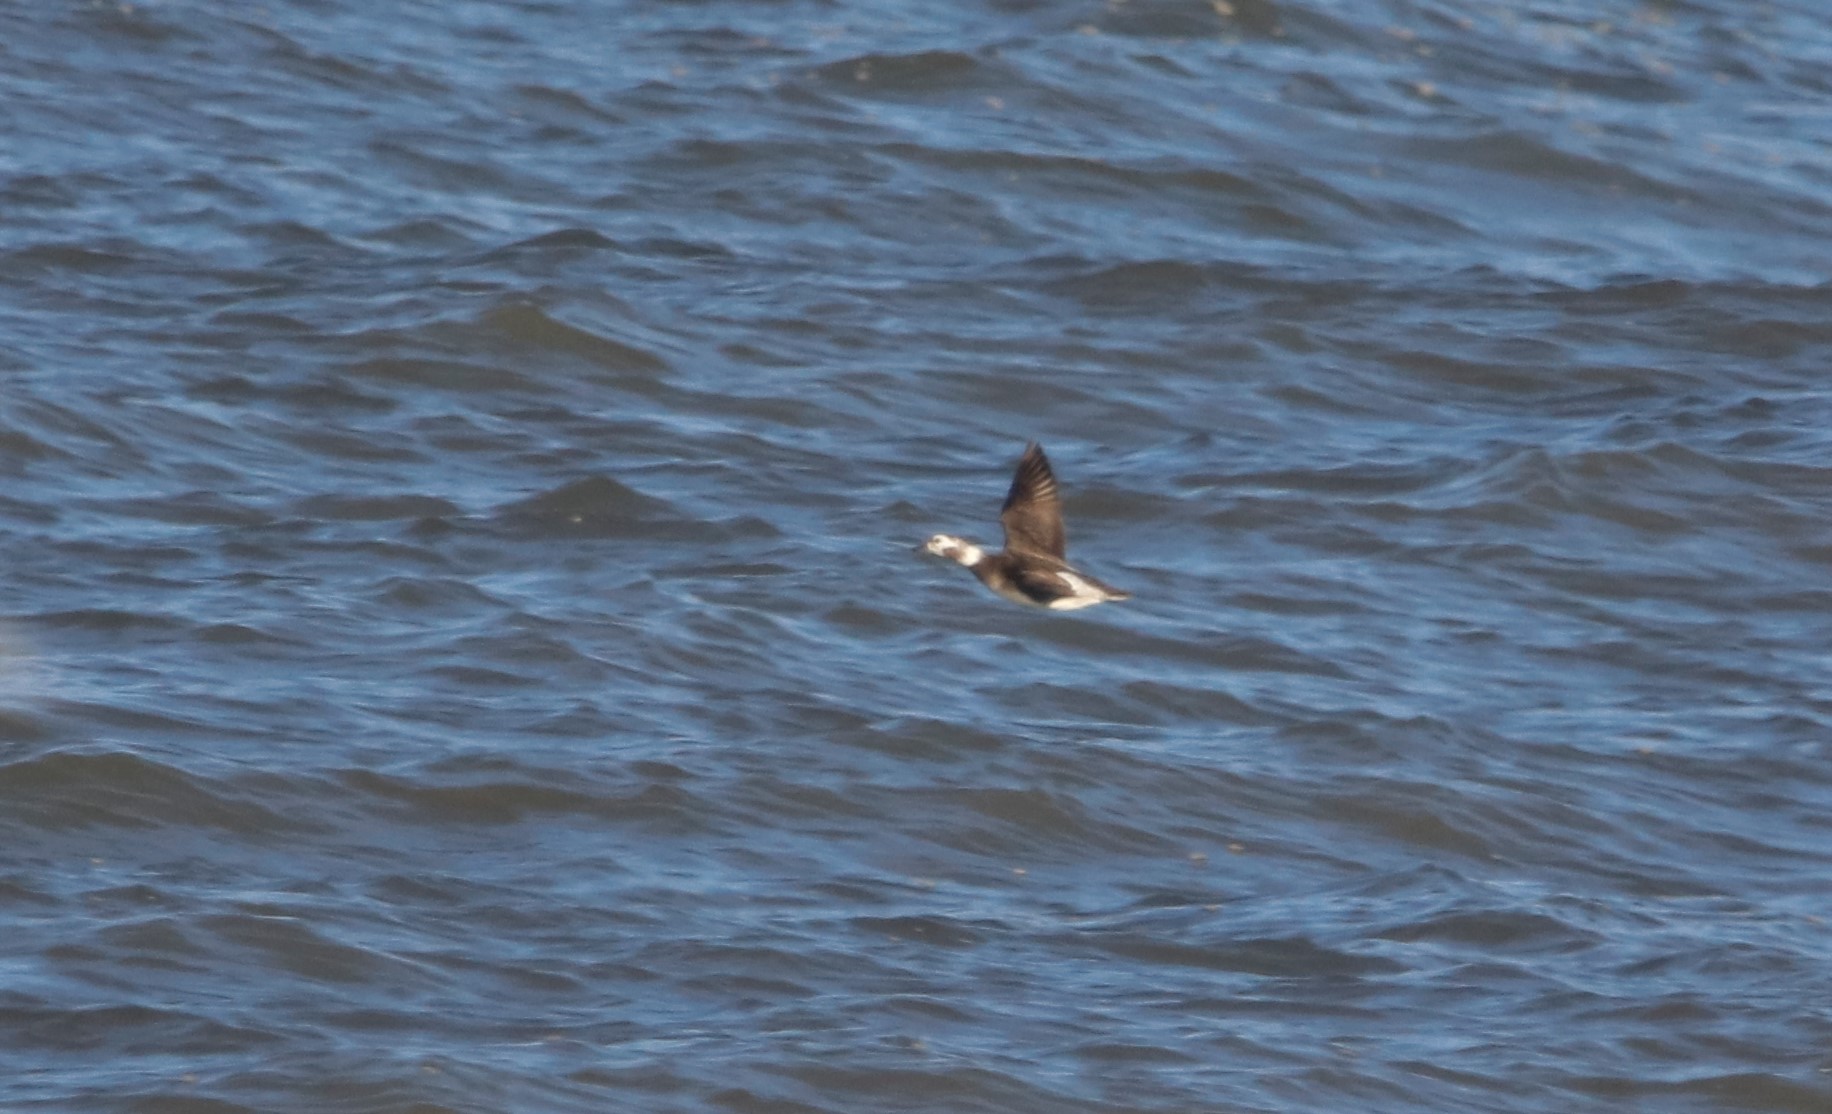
1031, 569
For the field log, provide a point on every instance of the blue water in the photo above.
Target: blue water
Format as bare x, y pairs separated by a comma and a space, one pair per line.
461, 647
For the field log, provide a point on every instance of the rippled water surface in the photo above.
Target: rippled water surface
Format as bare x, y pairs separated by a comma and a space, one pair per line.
461, 648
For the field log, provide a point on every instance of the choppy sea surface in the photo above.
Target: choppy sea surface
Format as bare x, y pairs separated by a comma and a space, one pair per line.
461, 648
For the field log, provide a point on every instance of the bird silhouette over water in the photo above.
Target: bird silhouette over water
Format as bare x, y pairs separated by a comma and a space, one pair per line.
1032, 568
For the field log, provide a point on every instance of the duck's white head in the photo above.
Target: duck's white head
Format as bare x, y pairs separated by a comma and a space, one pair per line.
955, 549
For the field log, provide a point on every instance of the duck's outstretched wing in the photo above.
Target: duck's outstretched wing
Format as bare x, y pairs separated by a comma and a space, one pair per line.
1032, 514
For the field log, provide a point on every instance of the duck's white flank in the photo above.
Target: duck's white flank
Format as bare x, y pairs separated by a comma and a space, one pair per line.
1081, 594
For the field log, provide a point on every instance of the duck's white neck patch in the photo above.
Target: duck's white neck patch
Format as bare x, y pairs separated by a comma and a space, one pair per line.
955, 549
